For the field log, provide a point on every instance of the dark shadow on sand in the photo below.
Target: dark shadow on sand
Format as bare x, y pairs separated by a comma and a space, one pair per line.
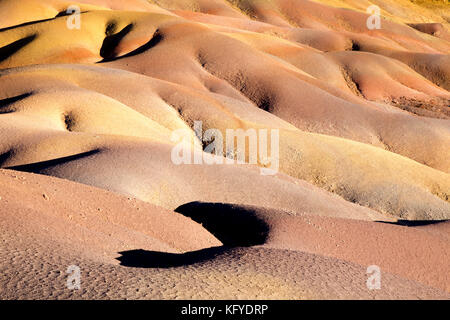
8, 50
5, 156
5, 103
414, 223
37, 167
110, 45
60, 14
153, 259
233, 225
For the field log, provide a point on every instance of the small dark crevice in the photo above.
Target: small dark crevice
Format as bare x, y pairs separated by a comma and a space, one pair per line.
111, 27
265, 104
358, 88
355, 46
202, 60
69, 121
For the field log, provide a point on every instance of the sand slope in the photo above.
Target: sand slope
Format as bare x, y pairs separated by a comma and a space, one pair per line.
45, 232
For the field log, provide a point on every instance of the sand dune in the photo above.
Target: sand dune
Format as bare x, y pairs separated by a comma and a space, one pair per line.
337, 165
93, 219
47, 232
87, 120
411, 252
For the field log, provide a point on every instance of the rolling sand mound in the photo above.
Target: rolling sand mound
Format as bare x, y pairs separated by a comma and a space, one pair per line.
93, 219
411, 252
363, 174
364, 148
47, 232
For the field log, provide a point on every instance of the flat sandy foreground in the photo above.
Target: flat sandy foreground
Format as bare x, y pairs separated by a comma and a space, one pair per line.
91, 92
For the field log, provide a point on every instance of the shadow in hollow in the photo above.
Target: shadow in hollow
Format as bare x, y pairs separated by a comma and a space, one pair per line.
113, 41
153, 259
110, 43
233, 225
